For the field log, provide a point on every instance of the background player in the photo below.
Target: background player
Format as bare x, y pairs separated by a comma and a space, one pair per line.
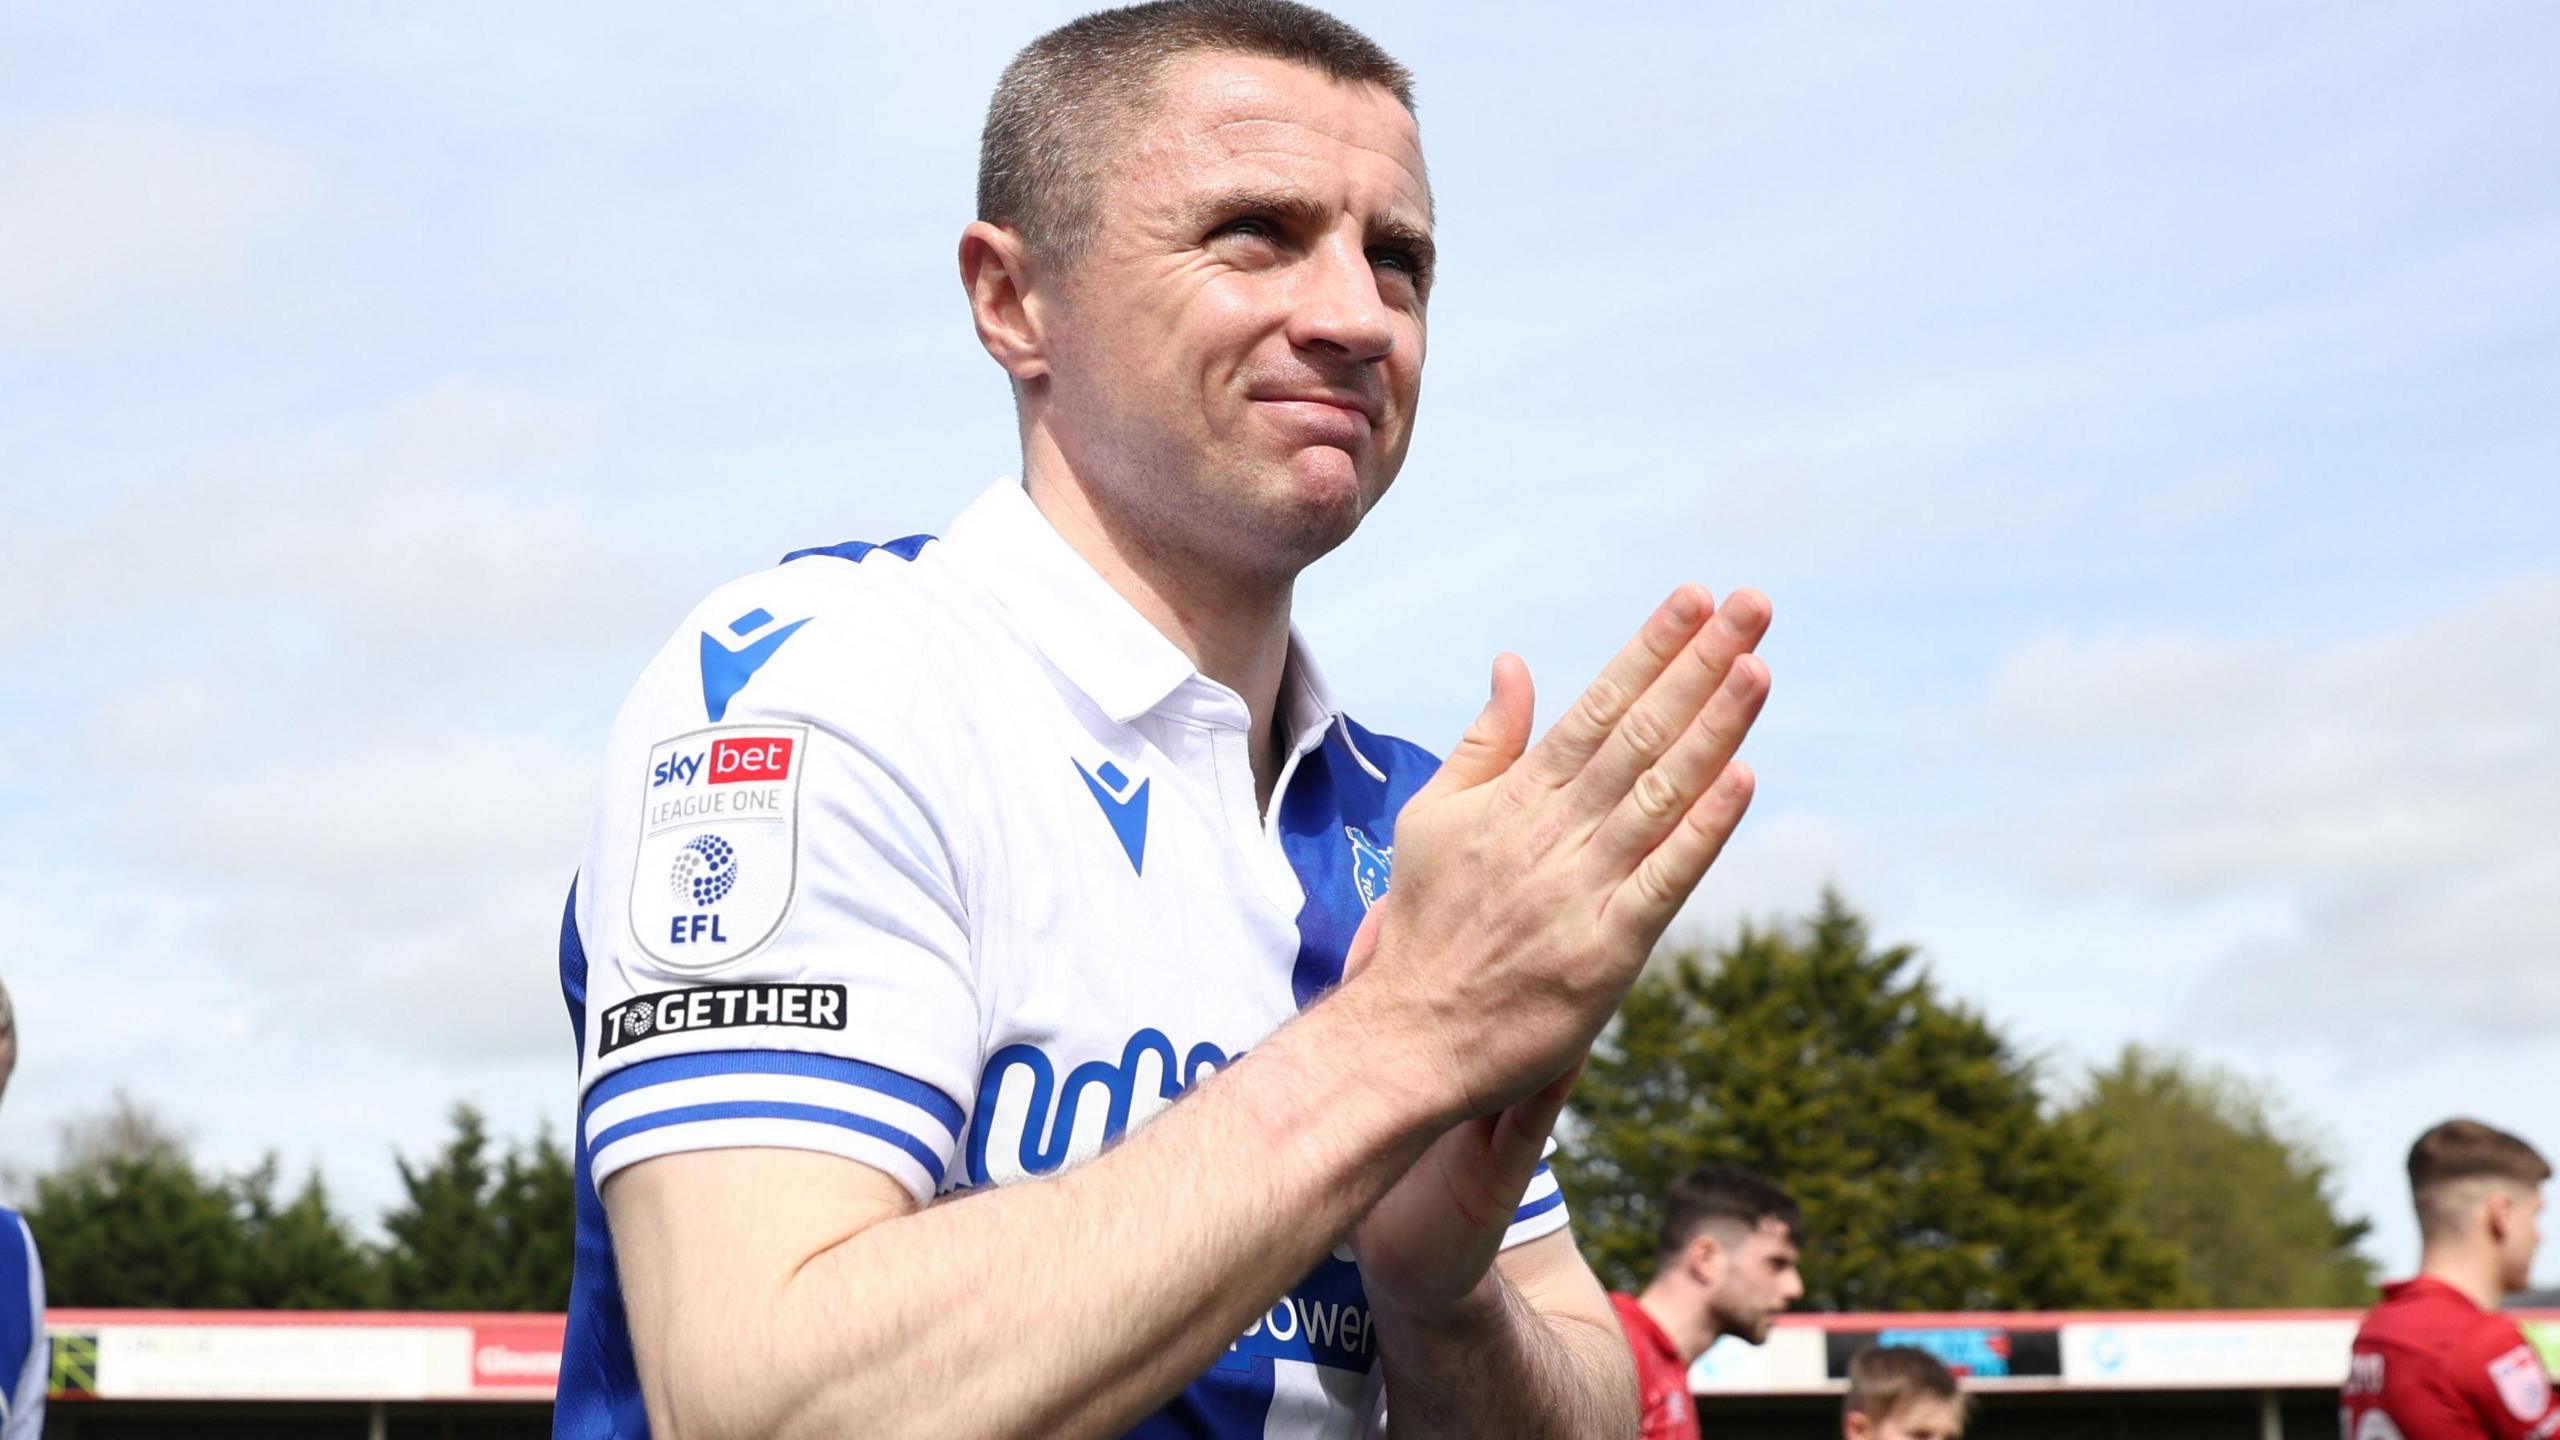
25, 1354
1727, 1266
2435, 1360
1899, 1392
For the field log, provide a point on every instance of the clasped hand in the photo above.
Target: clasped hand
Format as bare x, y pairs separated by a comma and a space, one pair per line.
1531, 885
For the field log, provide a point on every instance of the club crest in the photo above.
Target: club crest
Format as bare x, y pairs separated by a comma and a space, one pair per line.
1370, 864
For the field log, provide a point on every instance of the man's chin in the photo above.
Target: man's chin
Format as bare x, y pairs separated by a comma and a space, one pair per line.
1323, 498
1327, 477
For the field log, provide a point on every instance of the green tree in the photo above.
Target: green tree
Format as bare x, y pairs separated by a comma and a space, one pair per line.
2214, 1166
480, 1230
1932, 1173
127, 1219
536, 1205
300, 1255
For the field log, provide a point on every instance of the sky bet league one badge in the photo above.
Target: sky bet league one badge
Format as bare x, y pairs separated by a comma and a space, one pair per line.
719, 843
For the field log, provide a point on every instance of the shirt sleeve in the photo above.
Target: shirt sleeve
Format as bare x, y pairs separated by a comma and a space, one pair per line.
26, 1398
777, 940
2509, 1389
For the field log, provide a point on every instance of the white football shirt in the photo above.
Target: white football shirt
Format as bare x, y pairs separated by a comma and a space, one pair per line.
937, 856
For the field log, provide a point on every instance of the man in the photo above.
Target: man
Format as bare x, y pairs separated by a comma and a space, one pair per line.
1726, 1266
1900, 1392
2435, 1360
943, 867
26, 1356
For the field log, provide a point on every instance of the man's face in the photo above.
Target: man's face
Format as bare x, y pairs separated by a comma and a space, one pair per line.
1921, 1417
1758, 1280
1234, 359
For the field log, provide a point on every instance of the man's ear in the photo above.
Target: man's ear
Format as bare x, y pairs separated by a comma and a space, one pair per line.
1707, 1259
999, 273
2499, 1210
1856, 1427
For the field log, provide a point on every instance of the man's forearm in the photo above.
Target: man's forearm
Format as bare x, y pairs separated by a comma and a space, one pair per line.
1507, 1371
1076, 1305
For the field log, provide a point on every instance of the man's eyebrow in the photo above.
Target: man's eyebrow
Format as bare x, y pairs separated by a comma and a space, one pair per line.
1302, 212
1287, 206
1395, 230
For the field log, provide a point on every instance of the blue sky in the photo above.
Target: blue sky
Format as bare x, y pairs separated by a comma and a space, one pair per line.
2142, 416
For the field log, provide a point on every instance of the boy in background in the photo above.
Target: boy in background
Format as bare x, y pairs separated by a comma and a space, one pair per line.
2436, 1360
1897, 1392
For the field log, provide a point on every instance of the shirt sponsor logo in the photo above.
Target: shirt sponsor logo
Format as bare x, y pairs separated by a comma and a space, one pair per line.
1029, 1121
720, 1007
2365, 1373
718, 857
737, 762
1323, 1320
731, 761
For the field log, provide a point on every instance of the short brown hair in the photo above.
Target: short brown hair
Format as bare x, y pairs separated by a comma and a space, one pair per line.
1723, 1196
1882, 1377
1067, 99
2461, 1150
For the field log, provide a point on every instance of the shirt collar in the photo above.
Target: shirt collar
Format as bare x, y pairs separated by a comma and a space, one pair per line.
2423, 1284
1307, 706
1093, 636
1639, 1323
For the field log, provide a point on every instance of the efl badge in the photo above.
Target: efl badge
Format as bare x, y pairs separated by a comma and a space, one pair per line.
2521, 1382
719, 843
1370, 864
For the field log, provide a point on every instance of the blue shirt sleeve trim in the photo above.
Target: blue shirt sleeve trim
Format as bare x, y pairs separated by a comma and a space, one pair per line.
776, 1110
779, 1062
1536, 1208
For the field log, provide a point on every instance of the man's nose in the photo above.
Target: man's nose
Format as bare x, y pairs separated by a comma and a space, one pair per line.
1339, 308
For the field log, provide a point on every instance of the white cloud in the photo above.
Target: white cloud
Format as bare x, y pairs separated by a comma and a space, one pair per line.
120, 220
2397, 789
429, 540
1775, 870
2451, 955
336, 800
411, 879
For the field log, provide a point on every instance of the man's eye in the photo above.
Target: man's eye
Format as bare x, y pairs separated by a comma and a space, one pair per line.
1402, 259
1251, 227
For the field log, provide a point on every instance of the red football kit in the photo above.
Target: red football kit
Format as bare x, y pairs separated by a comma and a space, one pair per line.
1662, 1382
2431, 1365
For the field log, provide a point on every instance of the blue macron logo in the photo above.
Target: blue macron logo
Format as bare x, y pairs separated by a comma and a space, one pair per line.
725, 672
1125, 805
